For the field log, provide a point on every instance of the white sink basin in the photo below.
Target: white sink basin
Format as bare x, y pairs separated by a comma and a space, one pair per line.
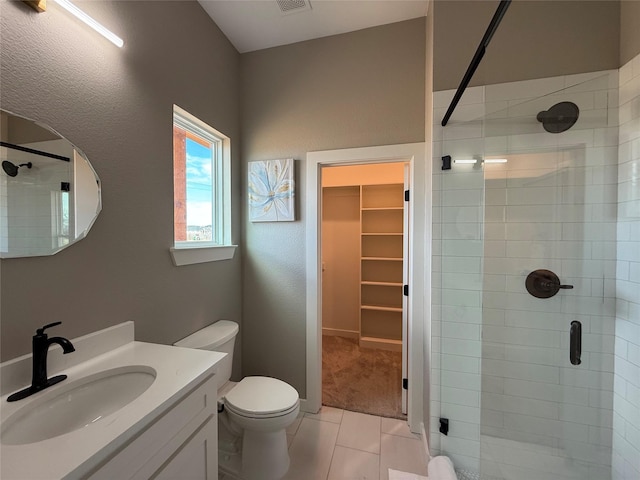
76, 404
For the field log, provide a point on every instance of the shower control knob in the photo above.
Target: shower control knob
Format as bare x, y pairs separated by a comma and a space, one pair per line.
544, 284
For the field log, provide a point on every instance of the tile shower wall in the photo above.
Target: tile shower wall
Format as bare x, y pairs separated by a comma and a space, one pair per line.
626, 416
547, 401
32, 217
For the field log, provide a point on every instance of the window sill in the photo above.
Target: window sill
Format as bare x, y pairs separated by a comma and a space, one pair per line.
201, 254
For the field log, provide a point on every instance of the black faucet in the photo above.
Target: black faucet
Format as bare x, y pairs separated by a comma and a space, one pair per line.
39, 380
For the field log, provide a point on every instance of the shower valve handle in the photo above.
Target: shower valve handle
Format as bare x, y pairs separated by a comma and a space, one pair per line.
544, 284
555, 285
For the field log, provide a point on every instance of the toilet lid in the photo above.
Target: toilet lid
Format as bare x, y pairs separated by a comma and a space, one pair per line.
261, 396
211, 337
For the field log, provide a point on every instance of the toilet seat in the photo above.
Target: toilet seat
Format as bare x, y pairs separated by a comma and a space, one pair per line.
258, 416
262, 397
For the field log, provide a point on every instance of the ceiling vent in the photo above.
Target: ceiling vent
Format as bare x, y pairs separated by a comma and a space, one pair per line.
293, 6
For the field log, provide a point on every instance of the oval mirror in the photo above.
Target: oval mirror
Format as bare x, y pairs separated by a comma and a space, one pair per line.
49, 192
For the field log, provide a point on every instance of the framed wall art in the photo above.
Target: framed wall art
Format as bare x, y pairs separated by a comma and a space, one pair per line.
271, 190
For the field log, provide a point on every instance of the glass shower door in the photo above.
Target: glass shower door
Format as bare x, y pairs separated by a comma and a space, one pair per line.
525, 381
548, 299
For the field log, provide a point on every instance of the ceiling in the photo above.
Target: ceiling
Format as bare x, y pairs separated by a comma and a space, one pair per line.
257, 24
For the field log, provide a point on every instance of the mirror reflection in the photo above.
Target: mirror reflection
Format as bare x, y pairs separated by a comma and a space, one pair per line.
49, 192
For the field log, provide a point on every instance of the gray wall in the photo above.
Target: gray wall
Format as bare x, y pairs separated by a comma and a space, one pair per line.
535, 39
116, 105
352, 90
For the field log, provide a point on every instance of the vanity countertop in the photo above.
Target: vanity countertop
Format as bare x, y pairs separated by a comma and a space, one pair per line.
74, 454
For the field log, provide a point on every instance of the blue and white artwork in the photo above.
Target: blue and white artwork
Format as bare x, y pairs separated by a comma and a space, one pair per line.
271, 191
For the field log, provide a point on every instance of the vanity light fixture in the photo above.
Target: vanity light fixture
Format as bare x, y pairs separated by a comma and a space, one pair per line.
465, 160
495, 160
71, 8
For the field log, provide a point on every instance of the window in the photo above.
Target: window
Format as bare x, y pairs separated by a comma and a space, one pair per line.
201, 189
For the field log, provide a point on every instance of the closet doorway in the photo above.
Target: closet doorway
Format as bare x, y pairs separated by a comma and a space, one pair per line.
418, 331
364, 316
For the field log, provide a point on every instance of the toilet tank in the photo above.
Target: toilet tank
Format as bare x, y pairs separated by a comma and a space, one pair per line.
217, 337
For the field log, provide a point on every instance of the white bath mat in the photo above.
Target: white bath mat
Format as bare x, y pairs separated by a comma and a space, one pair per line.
398, 475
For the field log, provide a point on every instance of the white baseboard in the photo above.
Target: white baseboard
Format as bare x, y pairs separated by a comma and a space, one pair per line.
336, 332
381, 343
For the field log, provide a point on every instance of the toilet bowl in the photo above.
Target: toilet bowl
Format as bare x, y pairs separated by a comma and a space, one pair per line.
254, 413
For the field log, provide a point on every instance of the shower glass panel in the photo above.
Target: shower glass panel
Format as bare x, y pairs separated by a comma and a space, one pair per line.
458, 209
526, 379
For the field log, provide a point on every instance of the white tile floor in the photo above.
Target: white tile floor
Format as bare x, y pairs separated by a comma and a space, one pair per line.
341, 445
512, 460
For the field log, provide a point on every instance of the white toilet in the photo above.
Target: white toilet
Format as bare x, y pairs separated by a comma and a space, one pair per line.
252, 442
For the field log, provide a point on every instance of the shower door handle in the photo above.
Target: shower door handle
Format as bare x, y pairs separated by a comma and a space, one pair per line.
575, 342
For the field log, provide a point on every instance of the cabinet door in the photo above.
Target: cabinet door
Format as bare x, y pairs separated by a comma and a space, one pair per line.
196, 459
155, 447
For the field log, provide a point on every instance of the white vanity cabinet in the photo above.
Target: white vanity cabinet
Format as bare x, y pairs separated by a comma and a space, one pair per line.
169, 431
181, 444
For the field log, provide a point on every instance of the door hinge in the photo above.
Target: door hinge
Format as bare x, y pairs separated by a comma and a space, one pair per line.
405, 383
444, 426
405, 290
406, 195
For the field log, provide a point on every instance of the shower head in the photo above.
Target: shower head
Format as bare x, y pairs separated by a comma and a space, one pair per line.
559, 118
11, 169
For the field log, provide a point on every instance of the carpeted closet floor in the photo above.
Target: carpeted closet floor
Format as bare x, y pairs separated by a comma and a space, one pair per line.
361, 379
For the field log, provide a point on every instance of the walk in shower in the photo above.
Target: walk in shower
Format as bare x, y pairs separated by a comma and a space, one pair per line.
524, 258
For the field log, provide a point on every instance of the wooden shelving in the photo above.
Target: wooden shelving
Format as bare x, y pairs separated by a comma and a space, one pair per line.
381, 224
380, 308
389, 284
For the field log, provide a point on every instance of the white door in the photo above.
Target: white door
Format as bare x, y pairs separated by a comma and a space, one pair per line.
405, 281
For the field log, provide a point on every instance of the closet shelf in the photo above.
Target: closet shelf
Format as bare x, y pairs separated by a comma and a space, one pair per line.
368, 209
383, 259
382, 284
381, 309
382, 234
